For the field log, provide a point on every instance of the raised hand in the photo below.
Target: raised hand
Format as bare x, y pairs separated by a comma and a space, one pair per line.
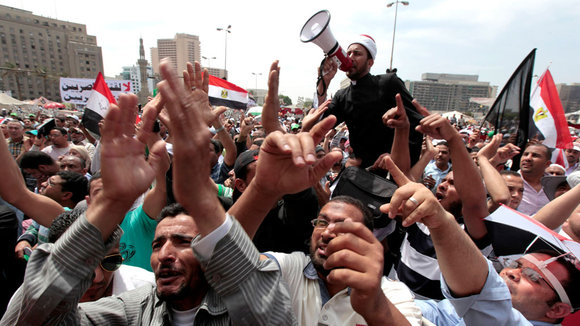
314, 115
190, 115
271, 101
397, 117
504, 154
413, 202
125, 172
434, 125
287, 162
151, 112
355, 259
329, 69
489, 150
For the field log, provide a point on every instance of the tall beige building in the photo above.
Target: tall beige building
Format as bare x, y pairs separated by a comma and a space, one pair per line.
448, 92
36, 51
181, 49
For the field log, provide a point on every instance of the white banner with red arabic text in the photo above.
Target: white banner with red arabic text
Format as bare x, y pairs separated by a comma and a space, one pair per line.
78, 90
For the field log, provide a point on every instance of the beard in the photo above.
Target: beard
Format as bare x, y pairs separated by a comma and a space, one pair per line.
318, 262
181, 293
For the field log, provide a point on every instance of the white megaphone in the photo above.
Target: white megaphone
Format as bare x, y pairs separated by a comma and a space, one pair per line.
316, 30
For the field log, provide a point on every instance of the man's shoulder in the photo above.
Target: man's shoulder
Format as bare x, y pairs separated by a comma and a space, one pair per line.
128, 278
295, 259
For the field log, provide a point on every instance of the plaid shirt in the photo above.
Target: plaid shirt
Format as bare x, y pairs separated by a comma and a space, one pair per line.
15, 148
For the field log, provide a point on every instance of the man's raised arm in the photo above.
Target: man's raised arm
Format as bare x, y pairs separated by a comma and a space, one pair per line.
251, 289
462, 264
466, 176
13, 190
287, 164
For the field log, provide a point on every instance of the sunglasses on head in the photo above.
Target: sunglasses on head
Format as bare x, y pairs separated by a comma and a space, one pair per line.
112, 262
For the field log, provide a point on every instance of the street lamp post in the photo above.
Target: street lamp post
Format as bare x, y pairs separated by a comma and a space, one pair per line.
396, 3
226, 30
208, 60
256, 74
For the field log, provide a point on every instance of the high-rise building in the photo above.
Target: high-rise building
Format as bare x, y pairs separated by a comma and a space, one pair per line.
133, 73
181, 49
570, 96
218, 72
36, 51
448, 92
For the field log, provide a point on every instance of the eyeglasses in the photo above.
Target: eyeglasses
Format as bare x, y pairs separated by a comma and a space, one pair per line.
319, 223
528, 273
112, 262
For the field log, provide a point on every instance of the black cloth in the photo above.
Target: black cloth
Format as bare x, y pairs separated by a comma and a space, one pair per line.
287, 227
11, 268
362, 107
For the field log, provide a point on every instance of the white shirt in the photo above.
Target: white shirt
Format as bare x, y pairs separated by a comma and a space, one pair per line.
532, 200
128, 278
55, 152
307, 296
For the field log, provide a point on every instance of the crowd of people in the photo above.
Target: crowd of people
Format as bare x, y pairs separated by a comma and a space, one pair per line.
189, 217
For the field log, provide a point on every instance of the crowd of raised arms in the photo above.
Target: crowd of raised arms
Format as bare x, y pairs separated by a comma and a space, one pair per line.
201, 215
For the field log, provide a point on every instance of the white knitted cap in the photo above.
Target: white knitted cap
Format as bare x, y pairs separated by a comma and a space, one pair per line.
368, 42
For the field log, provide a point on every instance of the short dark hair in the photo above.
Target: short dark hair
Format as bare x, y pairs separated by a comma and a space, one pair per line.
546, 148
62, 130
33, 159
510, 172
76, 183
171, 210
444, 143
217, 146
62, 222
365, 211
94, 178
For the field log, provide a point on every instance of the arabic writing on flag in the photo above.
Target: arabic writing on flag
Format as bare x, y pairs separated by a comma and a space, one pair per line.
224, 93
548, 114
78, 90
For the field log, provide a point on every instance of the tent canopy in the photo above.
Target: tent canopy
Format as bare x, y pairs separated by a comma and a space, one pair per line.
7, 100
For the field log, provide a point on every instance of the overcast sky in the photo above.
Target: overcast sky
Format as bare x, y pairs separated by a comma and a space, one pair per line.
488, 38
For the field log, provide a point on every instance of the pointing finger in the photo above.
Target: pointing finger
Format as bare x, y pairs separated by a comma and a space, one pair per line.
422, 110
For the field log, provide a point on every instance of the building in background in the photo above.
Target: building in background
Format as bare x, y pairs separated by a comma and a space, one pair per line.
181, 49
36, 51
258, 94
218, 72
448, 92
570, 96
133, 73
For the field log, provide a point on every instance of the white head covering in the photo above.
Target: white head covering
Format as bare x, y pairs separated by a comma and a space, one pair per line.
368, 42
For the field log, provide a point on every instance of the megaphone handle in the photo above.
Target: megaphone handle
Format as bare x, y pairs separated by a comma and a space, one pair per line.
321, 77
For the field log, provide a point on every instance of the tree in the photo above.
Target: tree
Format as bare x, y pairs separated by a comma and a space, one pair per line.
285, 99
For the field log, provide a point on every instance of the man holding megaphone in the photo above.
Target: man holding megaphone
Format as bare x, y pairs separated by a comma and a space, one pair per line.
364, 102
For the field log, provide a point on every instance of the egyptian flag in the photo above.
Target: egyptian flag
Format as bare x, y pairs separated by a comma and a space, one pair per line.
224, 93
97, 105
547, 113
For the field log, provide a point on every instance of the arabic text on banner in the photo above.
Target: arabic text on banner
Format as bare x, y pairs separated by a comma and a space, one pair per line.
78, 90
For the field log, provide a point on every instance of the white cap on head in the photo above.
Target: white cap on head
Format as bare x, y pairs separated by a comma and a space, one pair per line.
368, 42
573, 179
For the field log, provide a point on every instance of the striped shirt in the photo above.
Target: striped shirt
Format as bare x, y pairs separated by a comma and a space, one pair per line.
244, 290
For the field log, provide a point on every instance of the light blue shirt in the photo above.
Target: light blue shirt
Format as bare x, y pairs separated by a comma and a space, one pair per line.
492, 306
432, 170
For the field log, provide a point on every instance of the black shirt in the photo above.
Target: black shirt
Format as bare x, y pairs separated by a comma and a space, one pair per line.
362, 106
